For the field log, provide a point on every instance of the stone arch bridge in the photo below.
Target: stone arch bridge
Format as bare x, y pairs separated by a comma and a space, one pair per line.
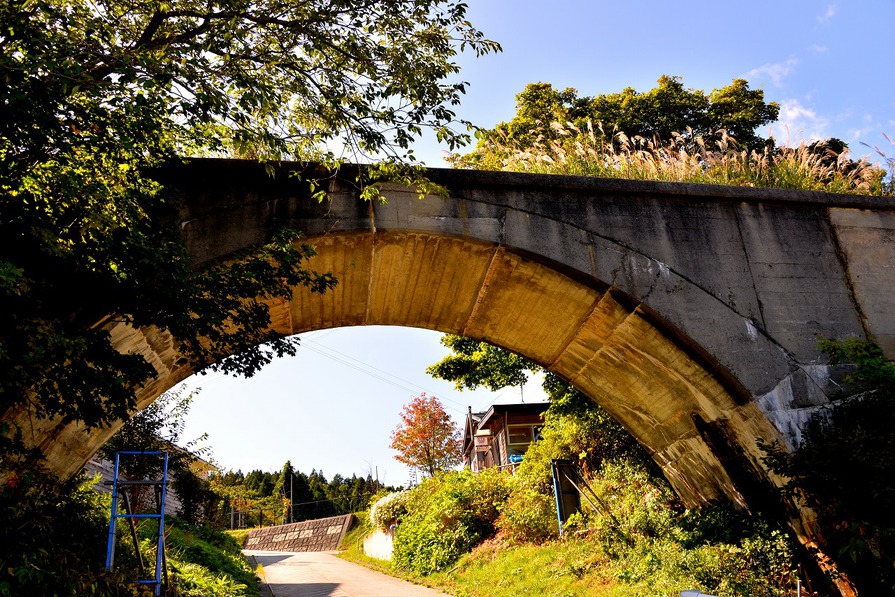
690, 312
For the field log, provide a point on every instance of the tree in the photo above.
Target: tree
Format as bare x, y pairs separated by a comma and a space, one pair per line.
97, 94
283, 490
472, 364
574, 425
658, 113
846, 468
426, 438
160, 427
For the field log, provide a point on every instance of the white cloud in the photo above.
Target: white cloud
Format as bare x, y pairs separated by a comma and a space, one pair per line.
861, 134
819, 49
872, 127
775, 72
797, 123
828, 14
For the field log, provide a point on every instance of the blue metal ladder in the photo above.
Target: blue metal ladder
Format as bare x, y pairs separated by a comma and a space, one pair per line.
119, 487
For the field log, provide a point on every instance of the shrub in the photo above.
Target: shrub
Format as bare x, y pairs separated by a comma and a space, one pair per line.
447, 516
239, 535
198, 501
54, 536
528, 517
717, 523
633, 506
577, 428
214, 551
846, 469
639, 524
760, 565
197, 581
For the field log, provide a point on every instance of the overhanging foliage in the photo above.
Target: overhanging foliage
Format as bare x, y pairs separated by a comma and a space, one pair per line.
94, 94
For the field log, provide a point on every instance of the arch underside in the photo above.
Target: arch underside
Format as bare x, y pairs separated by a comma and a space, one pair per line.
607, 345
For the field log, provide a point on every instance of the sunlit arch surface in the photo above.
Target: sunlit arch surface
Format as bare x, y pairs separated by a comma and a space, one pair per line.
689, 312
608, 348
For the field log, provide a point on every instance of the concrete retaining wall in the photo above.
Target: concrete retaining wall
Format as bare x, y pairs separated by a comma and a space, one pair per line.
323, 534
379, 545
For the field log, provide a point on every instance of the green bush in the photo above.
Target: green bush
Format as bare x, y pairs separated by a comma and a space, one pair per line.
845, 468
639, 524
54, 536
529, 516
717, 523
239, 535
206, 559
761, 565
633, 505
197, 581
575, 427
447, 516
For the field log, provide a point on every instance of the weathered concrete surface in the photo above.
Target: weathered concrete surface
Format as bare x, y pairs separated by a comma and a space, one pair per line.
867, 240
321, 534
690, 312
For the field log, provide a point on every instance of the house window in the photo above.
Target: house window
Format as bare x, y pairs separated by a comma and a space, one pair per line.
520, 435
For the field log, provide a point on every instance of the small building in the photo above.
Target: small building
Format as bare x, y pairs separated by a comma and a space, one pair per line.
106, 470
500, 436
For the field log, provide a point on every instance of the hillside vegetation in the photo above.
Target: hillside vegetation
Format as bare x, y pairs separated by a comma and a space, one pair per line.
54, 543
493, 533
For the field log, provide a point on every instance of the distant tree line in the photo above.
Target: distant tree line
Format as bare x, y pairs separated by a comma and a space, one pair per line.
264, 498
230, 499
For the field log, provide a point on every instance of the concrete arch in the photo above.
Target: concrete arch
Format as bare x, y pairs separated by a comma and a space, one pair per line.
690, 312
607, 345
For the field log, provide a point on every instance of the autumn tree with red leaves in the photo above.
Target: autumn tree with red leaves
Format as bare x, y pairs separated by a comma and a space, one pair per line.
426, 438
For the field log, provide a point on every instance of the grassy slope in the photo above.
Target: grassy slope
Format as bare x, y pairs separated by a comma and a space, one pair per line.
209, 562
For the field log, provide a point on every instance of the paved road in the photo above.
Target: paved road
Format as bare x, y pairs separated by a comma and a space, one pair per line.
321, 574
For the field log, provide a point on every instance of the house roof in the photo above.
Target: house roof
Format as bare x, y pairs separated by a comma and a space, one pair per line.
527, 408
473, 421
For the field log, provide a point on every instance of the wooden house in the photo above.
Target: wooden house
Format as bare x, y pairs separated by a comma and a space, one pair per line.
501, 435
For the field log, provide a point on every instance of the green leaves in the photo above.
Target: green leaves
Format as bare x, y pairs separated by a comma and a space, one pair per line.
846, 468
657, 114
96, 94
448, 515
473, 364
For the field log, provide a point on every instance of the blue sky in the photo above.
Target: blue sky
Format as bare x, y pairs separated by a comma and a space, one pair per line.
829, 65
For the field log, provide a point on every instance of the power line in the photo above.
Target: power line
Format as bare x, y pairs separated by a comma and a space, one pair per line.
383, 372
365, 368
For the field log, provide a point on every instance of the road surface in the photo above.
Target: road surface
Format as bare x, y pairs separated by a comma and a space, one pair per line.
321, 574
